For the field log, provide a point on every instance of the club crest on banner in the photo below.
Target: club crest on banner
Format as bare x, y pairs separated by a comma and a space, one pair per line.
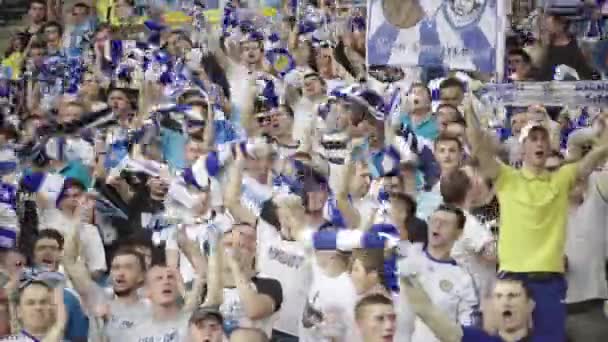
462, 13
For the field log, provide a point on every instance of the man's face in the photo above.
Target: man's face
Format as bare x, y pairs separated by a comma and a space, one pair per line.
312, 86
419, 98
72, 199
378, 323
126, 274
517, 64
13, 263
448, 155
194, 150
280, 121
161, 286
362, 280
79, 14
443, 228
323, 57
518, 121
119, 102
445, 115
69, 113
512, 307
37, 56
207, 330
317, 199
452, 96
243, 238
47, 253
52, 34
536, 148
37, 13
362, 179
36, 308
251, 52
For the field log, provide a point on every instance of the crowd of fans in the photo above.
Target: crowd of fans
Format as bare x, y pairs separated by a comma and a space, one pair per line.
238, 181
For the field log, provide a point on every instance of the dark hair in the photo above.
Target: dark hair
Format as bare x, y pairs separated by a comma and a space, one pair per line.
124, 251
287, 109
422, 86
459, 118
37, 45
372, 260
53, 24
51, 234
451, 83
454, 187
412, 206
448, 137
522, 53
10, 48
461, 219
512, 278
40, 2
73, 183
81, 4
373, 299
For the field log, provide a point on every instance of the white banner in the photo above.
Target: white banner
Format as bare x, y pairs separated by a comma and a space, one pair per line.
571, 94
457, 34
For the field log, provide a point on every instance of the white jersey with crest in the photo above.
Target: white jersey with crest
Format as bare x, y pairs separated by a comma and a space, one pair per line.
450, 288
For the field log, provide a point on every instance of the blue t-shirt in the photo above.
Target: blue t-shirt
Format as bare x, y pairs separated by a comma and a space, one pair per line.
77, 328
473, 334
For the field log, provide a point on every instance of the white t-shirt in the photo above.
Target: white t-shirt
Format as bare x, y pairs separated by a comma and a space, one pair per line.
465, 251
450, 288
233, 311
91, 244
152, 330
329, 299
288, 262
124, 317
586, 246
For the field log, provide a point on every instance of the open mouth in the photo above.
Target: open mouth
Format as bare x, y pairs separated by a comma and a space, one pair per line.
48, 262
507, 314
387, 338
435, 234
167, 291
539, 154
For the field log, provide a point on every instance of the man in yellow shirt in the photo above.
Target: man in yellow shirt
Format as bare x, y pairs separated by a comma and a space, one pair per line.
533, 215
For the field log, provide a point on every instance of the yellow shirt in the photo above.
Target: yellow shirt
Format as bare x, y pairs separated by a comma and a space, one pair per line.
533, 217
15, 62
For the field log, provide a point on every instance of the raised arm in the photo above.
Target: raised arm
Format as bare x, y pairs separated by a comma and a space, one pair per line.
350, 214
232, 198
440, 324
75, 267
483, 147
193, 253
597, 156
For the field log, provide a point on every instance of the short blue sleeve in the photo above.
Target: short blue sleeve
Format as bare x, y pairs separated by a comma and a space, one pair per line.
473, 334
77, 328
173, 144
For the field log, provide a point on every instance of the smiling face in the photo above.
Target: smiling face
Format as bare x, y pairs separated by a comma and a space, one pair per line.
512, 306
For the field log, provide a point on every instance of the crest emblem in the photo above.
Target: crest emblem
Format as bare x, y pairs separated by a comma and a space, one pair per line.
461, 14
446, 285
